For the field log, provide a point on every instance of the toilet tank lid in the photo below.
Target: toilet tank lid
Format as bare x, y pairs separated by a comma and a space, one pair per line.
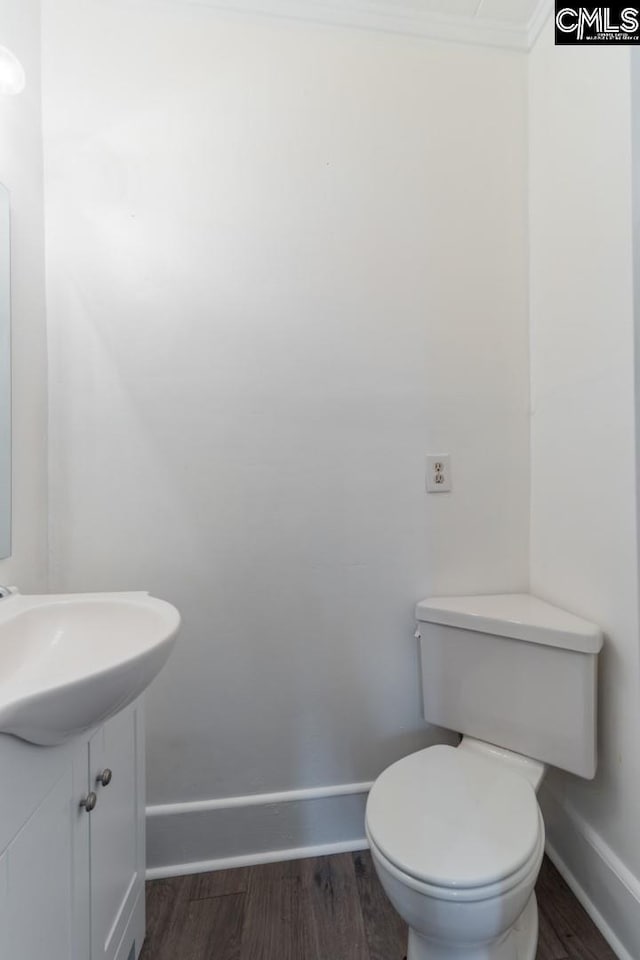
517, 615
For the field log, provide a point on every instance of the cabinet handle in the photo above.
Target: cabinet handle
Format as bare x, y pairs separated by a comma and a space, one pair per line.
105, 777
89, 802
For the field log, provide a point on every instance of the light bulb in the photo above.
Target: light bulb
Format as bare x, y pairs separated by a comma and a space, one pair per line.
12, 76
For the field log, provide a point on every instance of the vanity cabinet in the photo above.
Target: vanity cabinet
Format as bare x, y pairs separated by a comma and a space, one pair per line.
72, 875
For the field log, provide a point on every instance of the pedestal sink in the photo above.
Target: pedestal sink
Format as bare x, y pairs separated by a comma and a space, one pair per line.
69, 662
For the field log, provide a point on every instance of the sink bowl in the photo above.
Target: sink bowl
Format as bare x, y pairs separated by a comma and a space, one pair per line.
69, 662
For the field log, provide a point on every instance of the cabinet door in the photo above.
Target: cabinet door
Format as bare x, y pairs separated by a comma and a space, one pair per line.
41, 890
117, 835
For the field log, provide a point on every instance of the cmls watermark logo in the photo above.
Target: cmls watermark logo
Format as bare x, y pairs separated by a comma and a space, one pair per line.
615, 23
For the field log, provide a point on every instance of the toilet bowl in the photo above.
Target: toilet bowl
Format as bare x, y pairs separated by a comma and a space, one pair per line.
456, 834
457, 840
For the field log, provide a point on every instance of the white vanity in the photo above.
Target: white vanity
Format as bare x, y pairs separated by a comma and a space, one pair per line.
72, 876
72, 857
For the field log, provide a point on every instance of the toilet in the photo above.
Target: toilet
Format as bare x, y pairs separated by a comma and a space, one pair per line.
456, 833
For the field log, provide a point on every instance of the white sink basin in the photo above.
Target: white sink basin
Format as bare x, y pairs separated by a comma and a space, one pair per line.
70, 662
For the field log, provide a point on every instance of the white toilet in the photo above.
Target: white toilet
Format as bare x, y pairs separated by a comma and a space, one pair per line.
456, 834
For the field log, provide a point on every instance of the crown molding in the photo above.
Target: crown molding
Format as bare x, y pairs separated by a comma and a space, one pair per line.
537, 21
395, 17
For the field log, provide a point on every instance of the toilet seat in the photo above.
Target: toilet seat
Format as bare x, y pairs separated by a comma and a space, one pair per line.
525, 876
449, 820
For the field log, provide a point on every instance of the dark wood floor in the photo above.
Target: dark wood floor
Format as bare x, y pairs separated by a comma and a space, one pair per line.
327, 908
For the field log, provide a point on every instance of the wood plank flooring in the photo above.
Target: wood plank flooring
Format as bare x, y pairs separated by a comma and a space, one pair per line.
325, 908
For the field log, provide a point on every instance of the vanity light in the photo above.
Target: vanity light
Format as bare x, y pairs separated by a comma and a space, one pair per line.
12, 76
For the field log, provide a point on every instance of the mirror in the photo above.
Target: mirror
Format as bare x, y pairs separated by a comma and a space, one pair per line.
5, 374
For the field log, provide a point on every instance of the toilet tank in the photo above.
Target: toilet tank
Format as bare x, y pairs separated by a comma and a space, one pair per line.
514, 671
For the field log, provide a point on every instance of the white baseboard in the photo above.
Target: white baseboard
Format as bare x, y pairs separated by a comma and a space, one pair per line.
221, 833
251, 859
605, 887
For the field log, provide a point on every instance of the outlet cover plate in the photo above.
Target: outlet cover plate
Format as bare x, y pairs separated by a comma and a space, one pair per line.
439, 473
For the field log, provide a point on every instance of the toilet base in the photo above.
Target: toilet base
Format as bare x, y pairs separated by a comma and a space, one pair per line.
519, 944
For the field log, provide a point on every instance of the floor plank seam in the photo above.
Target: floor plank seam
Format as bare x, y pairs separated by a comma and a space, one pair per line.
217, 896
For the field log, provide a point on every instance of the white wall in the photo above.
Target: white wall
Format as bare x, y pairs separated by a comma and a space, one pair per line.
583, 494
21, 172
285, 262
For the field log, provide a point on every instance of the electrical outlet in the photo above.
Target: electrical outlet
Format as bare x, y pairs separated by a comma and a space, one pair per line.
439, 474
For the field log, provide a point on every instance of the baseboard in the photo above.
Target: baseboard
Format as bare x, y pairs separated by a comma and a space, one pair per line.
221, 833
251, 859
605, 887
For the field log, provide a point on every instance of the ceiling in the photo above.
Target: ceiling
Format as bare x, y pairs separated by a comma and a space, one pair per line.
514, 24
